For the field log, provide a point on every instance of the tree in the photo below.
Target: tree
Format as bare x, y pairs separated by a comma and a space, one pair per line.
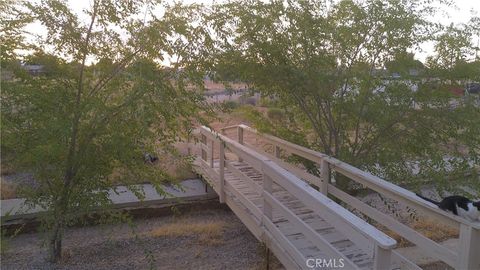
474, 27
454, 61
12, 23
104, 101
321, 64
403, 63
453, 48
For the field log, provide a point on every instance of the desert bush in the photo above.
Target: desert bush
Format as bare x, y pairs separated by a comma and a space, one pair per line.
266, 102
247, 99
250, 101
230, 105
275, 114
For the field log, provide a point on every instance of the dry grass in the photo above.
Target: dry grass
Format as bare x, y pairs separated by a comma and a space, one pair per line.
175, 166
434, 230
208, 233
229, 119
427, 227
7, 190
182, 172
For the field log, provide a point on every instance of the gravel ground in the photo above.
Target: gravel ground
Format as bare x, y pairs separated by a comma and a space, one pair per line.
116, 247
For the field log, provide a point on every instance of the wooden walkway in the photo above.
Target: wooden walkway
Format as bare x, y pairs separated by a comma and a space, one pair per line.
288, 209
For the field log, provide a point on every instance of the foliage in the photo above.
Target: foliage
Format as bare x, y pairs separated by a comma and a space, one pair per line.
12, 23
230, 105
322, 62
102, 103
247, 99
452, 46
275, 114
403, 63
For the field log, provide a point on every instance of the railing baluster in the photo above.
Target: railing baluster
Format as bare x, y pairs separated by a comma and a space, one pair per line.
382, 258
240, 139
267, 187
240, 135
204, 153
222, 172
325, 176
211, 153
267, 207
277, 151
469, 247
189, 145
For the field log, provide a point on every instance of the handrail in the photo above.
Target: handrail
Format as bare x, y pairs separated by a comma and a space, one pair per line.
429, 246
322, 204
229, 127
280, 174
370, 180
274, 170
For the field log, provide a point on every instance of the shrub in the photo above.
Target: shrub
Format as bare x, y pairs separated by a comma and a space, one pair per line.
275, 114
230, 105
251, 101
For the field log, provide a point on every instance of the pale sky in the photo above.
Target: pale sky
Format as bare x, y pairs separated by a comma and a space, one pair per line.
460, 14
463, 11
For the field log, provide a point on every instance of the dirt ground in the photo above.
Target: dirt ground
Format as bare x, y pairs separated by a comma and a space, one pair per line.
205, 239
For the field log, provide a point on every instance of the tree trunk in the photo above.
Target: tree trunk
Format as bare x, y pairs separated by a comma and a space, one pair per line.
55, 244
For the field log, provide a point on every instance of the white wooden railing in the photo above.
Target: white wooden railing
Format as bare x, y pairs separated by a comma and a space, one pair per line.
466, 256
213, 147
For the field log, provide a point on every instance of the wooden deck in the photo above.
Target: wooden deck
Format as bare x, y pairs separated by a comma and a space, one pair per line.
287, 209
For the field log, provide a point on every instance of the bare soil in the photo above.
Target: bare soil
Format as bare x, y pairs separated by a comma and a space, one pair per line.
205, 239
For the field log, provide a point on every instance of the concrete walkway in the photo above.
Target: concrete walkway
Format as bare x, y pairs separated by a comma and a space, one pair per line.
191, 190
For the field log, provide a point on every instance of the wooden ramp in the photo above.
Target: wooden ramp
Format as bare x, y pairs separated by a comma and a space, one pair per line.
288, 209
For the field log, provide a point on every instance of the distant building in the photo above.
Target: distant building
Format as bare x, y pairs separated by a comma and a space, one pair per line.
384, 73
34, 70
395, 75
413, 72
472, 88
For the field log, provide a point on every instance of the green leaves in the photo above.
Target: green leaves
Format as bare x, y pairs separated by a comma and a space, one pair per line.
324, 67
101, 101
12, 20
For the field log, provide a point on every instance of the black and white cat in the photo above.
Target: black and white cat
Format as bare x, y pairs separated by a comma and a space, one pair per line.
458, 205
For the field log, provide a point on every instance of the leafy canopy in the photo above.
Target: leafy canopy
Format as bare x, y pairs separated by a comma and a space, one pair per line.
323, 65
102, 101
